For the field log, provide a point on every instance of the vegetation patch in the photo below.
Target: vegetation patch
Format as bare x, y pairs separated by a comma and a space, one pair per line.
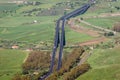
10, 62
105, 65
69, 67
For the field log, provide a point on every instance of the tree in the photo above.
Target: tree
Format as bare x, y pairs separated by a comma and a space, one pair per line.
117, 27
67, 64
77, 71
36, 61
17, 77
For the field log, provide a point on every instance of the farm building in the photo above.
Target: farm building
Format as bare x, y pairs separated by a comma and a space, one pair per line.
15, 47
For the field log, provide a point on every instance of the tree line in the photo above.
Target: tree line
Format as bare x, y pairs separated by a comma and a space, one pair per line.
70, 70
38, 63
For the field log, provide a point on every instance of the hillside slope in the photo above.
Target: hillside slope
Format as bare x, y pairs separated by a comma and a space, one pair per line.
104, 65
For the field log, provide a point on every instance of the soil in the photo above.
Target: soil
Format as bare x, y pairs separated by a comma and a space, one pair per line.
82, 29
93, 42
97, 37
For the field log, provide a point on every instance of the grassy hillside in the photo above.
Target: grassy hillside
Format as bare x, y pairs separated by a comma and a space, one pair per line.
15, 26
10, 62
107, 22
103, 6
18, 23
105, 65
23, 29
74, 37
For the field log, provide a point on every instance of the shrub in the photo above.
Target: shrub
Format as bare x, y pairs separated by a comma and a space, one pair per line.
117, 27
21, 77
67, 63
37, 61
76, 72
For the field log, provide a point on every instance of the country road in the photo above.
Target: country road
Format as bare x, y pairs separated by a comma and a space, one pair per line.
97, 37
82, 29
97, 27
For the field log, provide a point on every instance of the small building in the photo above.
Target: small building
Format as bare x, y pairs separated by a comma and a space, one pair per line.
29, 50
15, 47
35, 21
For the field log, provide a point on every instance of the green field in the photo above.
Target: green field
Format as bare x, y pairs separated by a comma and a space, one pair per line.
104, 22
105, 65
22, 29
7, 6
10, 62
74, 37
17, 24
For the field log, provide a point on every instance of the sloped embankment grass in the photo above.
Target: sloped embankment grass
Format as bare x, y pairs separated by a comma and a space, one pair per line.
10, 62
105, 65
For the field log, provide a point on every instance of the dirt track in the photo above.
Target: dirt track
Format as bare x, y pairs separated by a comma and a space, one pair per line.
93, 42
97, 27
82, 29
85, 30
98, 39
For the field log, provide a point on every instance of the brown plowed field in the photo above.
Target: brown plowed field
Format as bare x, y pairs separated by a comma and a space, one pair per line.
90, 32
92, 42
85, 30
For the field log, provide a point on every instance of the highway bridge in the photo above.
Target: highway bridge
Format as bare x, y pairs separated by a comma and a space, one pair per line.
59, 40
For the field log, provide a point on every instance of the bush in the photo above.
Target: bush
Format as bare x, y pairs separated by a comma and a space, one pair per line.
67, 63
21, 77
117, 27
109, 34
37, 61
76, 72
